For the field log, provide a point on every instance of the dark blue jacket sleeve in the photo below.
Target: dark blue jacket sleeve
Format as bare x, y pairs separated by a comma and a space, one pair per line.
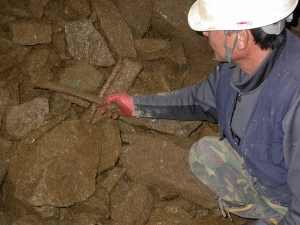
192, 103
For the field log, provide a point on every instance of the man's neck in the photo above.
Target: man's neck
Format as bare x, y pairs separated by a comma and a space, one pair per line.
252, 60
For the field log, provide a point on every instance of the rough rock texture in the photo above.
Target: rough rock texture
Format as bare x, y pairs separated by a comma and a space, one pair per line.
115, 27
23, 118
61, 162
83, 77
28, 33
166, 164
85, 43
59, 171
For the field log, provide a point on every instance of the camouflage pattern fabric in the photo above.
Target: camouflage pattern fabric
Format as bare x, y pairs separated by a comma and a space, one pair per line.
217, 165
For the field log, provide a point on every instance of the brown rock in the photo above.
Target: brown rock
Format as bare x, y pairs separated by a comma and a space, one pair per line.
23, 118
126, 77
111, 145
5, 146
152, 49
15, 56
115, 28
61, 170
82, 7
138, 20
130, 203
112, 178
174, 127
171, 215
28, 220
30, 33
85, 43
166, 165
82, 76
36, 7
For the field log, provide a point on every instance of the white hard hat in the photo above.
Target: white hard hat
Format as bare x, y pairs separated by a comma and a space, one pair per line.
207, 15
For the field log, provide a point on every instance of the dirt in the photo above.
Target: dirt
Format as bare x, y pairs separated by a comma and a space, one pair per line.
61, 162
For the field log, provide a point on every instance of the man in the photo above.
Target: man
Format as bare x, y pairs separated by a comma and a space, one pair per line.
254, 96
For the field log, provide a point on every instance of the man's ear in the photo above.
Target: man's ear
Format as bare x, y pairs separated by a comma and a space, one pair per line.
243, 38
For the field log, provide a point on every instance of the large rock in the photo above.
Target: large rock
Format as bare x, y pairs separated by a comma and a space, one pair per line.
82, 76
173, 127
115, 28
4, 158
23, 118
131, 203
138, 20
126, 77
111, 147
36, 65
30, 33
85, 43
61, 169
170, 20
166, 166
153, 48
14, 57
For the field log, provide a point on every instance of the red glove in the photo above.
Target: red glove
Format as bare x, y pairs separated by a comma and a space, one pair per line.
123, 105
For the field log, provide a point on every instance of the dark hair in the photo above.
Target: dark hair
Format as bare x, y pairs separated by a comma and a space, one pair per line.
266, 41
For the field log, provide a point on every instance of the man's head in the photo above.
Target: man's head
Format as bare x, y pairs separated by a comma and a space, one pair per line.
264, 19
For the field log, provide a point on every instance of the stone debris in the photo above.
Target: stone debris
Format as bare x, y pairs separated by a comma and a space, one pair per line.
61, 162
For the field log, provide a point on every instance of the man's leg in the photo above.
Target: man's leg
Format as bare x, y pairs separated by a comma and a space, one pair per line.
218, 166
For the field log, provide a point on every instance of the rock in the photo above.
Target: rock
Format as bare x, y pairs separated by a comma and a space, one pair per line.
138, 20
5, 146
130, 203
111, 145
36, 7
174, 127
170, 20
61, 170
23, 118
28, 220
152, 49
85, 43
5, 44
36, 64
82, 76
171, 215
126, 77
14, 57
47, 212
166, 166
81, 7
115, 28
112, 178
30, 33
90, 211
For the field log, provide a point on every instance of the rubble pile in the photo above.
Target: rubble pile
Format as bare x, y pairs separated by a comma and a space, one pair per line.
61, 162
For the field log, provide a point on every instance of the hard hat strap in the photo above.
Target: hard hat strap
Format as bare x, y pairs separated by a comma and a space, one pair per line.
228, 51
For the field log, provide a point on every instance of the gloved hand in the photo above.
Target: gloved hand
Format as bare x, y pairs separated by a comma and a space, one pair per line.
117, 104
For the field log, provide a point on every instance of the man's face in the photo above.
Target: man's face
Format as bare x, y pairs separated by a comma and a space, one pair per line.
216, 41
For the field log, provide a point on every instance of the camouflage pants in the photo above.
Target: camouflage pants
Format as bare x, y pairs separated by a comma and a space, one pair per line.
217, 165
